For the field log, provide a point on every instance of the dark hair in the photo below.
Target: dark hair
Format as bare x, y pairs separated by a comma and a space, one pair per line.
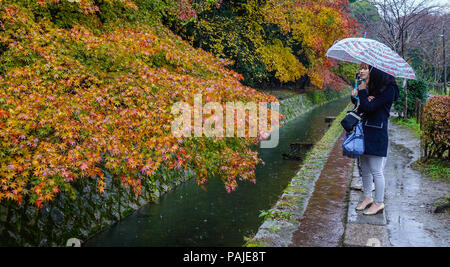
379, 81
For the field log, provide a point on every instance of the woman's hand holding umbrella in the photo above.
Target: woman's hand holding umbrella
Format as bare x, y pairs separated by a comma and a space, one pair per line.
362, 86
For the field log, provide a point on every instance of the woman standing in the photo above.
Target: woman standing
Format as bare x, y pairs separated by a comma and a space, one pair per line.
377, 91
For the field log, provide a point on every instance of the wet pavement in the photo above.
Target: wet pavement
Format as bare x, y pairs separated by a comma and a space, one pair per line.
410, 195
321, 224
408, 219
363, 230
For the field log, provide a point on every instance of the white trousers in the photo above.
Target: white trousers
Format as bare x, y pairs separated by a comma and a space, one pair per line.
372, 173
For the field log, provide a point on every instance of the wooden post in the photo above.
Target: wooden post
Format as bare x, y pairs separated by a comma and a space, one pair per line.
422, 106
415, 110
405, 111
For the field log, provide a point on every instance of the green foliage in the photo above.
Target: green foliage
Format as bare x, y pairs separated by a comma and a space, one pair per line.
66, 14
333, 94
274, 228
317, 97
439, 91
435, 169
365, 9
411, 123
273, 214
250, 242
416, 89
346, 71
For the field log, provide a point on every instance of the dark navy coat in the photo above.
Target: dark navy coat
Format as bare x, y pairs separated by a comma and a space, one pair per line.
375, 122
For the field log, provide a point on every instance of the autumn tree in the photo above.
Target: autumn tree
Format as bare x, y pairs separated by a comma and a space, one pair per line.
93, 91
316, 25
282, 40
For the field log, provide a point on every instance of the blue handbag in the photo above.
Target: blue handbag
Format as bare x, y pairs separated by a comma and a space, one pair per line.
353, 145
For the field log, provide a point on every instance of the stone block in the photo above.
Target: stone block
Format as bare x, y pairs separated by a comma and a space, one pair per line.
358, 216
366, 235
356, 183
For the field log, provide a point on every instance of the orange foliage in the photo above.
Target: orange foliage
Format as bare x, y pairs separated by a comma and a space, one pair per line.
80, 101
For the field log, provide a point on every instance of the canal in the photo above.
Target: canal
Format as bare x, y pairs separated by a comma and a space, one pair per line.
189, 216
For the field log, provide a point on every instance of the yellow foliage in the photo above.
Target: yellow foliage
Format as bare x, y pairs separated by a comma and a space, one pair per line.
281, 60
315, 24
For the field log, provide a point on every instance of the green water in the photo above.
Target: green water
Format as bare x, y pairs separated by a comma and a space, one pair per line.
191, 217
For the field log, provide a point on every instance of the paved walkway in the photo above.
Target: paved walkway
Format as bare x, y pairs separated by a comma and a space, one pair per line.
408, 219
321, 224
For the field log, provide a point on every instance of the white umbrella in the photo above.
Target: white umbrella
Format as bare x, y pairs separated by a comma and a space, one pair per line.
372, 52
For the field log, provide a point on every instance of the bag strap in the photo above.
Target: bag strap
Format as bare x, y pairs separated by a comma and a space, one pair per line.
357, 106
354, 114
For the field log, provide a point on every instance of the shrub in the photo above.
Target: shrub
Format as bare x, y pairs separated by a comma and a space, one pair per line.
416, 89
317, 97
436, 120
346, 71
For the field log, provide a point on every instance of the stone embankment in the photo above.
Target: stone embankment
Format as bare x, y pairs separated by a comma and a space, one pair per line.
295, 106
80, 212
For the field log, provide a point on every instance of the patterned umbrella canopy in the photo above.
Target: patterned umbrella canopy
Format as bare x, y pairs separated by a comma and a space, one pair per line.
374, 53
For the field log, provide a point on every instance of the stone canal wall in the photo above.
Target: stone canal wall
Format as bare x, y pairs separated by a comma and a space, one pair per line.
294, 107
80, 212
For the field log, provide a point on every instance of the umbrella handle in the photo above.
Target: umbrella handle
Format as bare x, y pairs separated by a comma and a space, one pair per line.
356, 86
